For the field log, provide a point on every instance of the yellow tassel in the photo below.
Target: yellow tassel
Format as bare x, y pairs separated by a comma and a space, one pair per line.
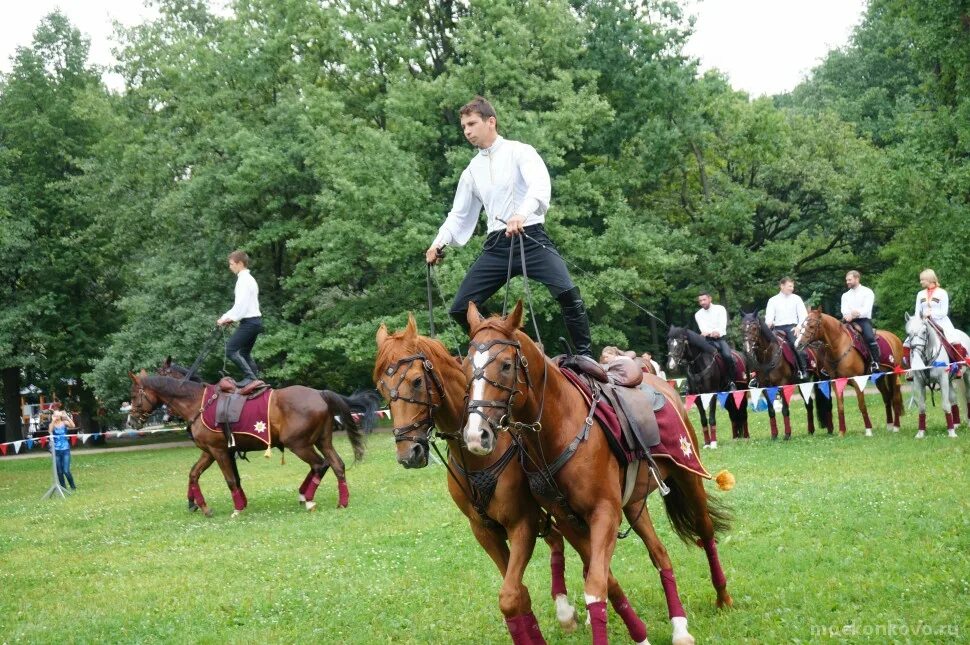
724, 480
269, 452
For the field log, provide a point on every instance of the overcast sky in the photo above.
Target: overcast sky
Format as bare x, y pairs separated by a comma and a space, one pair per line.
764, 46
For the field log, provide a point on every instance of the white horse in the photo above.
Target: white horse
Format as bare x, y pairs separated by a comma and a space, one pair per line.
930, 363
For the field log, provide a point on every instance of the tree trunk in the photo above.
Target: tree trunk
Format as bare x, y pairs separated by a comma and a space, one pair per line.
88, 414
11, 403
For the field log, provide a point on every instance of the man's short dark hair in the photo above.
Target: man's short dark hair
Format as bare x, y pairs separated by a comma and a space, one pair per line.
704, 293
241, 257
478, 105
786, 279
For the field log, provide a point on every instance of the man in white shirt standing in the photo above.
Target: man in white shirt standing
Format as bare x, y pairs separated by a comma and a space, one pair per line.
857, 305
510, 181
712, 324
245, 311
784, 312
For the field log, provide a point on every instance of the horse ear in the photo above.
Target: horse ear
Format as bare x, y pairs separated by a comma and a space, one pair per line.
515, 318
381, 334
906, 316
168, 362
472, 315
132, 376
412, 329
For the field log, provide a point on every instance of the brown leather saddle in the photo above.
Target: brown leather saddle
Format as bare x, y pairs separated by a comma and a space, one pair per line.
232, 398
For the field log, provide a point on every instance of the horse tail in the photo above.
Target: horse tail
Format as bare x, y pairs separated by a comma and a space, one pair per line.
684, 507
340, 405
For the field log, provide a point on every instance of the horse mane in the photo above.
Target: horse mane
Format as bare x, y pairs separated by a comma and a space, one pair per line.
766, 332
695, 340
181, 369
171, 387
397, 347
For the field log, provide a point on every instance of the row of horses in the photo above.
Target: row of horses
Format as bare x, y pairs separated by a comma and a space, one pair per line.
516, 466
833, 355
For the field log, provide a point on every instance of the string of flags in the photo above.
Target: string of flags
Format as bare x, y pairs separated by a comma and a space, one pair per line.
806, 390
14, 447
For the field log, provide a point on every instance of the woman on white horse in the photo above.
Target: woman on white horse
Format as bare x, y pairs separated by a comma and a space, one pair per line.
933, 302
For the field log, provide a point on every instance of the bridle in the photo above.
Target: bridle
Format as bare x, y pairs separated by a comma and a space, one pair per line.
475, 406
924, 346
426, 423
140, 417
681, 356
752, 336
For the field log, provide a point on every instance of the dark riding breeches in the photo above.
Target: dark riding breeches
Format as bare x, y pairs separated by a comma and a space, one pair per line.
869, 335
790, 338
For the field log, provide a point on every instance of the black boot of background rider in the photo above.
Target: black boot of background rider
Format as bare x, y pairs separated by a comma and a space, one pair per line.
248, 375
802, 370
577, 323
874, 356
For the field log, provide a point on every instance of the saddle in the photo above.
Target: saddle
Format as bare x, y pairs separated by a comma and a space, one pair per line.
739, 376
626, 406
955, 352
811, 361
232, 398
859, 343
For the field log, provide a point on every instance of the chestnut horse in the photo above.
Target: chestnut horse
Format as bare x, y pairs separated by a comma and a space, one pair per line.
513, 386
765, 354
301, 419
425, 386
705, 374
839, 359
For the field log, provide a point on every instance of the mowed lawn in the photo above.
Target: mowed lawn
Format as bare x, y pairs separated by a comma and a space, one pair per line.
854, 539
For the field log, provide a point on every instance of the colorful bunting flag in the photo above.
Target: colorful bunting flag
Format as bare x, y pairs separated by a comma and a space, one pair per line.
722, 399
706, 399
787, 391
825, 388
861, 381
689, 401
806, 391
738, 397
770, 393
840, 384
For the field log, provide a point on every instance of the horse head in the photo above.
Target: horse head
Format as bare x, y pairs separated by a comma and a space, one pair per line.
143, 400
810, 331
677, 346
921, 340
751, 331
495, 370
404, 374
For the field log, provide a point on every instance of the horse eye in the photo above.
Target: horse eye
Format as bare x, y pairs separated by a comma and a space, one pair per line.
506, 366
416, 383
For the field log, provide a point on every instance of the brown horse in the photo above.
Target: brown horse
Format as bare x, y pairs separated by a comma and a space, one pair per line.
301, 419
838, 357
425, 386
765, 352
513, 386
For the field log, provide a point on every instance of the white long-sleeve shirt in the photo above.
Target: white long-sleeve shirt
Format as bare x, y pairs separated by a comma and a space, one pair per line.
714, 318
785, 309
859, 299
937, 307
506, 179
247, 298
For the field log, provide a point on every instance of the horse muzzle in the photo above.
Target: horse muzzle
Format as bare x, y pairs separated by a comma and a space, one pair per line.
416, 457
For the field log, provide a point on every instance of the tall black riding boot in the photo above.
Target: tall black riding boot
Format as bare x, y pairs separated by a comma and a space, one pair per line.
802, 370
248, 375
577, 323
874, 356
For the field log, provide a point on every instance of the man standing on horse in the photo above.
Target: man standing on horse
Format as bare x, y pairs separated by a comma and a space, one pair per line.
784, 312
857, 308
510, 181
712, 324
245, 311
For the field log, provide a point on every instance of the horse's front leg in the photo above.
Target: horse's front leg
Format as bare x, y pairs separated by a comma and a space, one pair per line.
707, 431
565, 612
712, 411
603, 523
841, 407
919, 385
860, 397
513, 599
786, 415
227, 464
196, 499
946, 394
771, 419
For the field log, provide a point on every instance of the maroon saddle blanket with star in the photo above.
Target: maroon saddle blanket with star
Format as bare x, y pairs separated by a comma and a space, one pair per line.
253, 420
675, 444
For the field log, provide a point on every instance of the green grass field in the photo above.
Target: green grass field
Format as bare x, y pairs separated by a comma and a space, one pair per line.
857, 539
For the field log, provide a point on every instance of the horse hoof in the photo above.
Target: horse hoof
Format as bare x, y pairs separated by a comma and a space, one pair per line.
681, 635
868, 432
301, 499
724, 603
311, 506
193, 507
236, 513
565, 614
207, 512
952, 434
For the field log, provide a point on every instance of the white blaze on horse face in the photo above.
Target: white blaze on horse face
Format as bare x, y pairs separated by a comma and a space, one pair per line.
473, 427
671, 361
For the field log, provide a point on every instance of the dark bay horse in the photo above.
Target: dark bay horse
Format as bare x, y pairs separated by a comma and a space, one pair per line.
706, 374
765, 354
838, 357
301, 419
513, 386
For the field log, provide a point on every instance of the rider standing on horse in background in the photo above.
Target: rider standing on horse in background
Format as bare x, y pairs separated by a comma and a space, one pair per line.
712, 324
784, 312
510, 181
857, 305
245, 311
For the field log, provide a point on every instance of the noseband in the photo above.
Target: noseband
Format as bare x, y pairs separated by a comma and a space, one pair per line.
474, 406
140, 417
403, 433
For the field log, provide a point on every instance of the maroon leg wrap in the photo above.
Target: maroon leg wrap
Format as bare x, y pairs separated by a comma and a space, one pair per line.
635, 626
922, 421
841, 421
343, 493
597, 621
532, 629
518, 631
191, 493
787, 426
674, 608
955, 411
895, 417
949, 421
244, 498
557, 562
713, 433
707, 435
238, 501
306, 483
311, 488
774, 427
717, 574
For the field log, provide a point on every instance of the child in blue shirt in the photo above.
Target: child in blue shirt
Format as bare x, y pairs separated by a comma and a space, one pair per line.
62, 446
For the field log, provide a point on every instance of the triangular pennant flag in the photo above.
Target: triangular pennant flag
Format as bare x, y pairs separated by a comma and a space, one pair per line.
840, 384
3, 449
755, 397
42, 441
861, 381
806, 390
689, 401
706, 399
30, 444
875, 376
680, 382
16, 446
940, 364
898, 370
770, 393
825, 388
722, 399
738, 397
97, 437
787, 391
73, 440
672, 383
84, 437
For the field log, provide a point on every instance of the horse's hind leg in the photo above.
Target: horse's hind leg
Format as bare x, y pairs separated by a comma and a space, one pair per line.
772, 422
786, 415
196, 500
713, 414
318, 467
707, 431
333, 460
309, 478
565, 612
919, 390
638, 514
860, 397
227, 463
